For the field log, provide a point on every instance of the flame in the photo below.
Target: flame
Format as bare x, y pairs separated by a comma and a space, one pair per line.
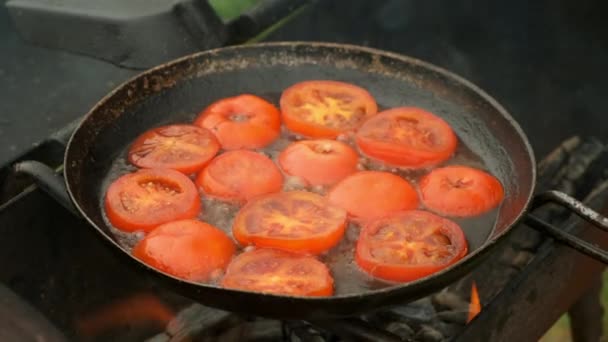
475, 306
140, 308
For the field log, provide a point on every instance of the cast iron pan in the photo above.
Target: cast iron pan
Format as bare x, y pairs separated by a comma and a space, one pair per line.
177, 91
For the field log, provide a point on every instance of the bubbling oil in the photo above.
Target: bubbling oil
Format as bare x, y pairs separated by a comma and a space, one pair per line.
348, 278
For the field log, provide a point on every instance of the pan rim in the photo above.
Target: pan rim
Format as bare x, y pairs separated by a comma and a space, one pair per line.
393, 287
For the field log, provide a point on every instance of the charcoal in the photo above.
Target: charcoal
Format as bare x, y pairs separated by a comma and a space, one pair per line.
400, 329
303, 333
162, 337
453, 316
448, 329
265, 330
448, 300
418, 312
428, 334
235, 333
194, 319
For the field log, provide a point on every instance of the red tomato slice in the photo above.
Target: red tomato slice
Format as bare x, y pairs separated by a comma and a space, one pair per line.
325, 109
279, 272
460, 191
147, 198
319, 162
409, 245
408, 137
184, 148
239, 176
296, 221
187, 249
371, 194
242, 122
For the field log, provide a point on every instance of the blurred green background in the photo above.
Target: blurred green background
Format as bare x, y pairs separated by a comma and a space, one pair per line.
229, 9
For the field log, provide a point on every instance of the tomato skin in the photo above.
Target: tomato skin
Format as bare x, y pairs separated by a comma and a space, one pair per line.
325, 97
407, 137
242, 122
371, 194
238, 176
147, 198
460, 191
185, 148
279, 272
319, 162
401, 271
285, 221
188, 249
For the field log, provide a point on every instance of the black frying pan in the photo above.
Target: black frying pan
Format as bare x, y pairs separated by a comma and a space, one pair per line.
177, 91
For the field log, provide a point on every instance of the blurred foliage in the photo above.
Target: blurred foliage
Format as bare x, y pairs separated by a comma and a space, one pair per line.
229, 9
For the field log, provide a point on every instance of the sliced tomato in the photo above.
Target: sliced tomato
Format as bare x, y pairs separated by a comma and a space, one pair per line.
409, 245
408, 137
238, 176
296, 221
184, 148
279, 272
188, 249
147, 198
242, 122
319, 162
460, 191
371, 194
325, 109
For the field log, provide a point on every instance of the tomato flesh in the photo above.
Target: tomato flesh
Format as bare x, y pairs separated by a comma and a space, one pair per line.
239, 176
184, 148
242, 122
319, 162
296, 221
371, 194
407, 137
188, 249
147, 198
409, 245
279, 272
325, 109
460, 191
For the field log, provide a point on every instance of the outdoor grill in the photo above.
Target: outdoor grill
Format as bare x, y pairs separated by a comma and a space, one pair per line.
58, 281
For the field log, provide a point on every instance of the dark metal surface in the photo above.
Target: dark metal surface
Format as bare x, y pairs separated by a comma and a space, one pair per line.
135, 34
139, 34
21, 322
48, 180
55, 262
44, 90
175, 92
50, 152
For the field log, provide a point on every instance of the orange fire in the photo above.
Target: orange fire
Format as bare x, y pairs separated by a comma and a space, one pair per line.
475, 306
140, 308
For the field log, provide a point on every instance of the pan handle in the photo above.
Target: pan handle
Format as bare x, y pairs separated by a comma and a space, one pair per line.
581, 210
48, 180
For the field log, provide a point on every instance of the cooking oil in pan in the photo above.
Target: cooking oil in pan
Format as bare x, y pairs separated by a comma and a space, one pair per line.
348, 278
